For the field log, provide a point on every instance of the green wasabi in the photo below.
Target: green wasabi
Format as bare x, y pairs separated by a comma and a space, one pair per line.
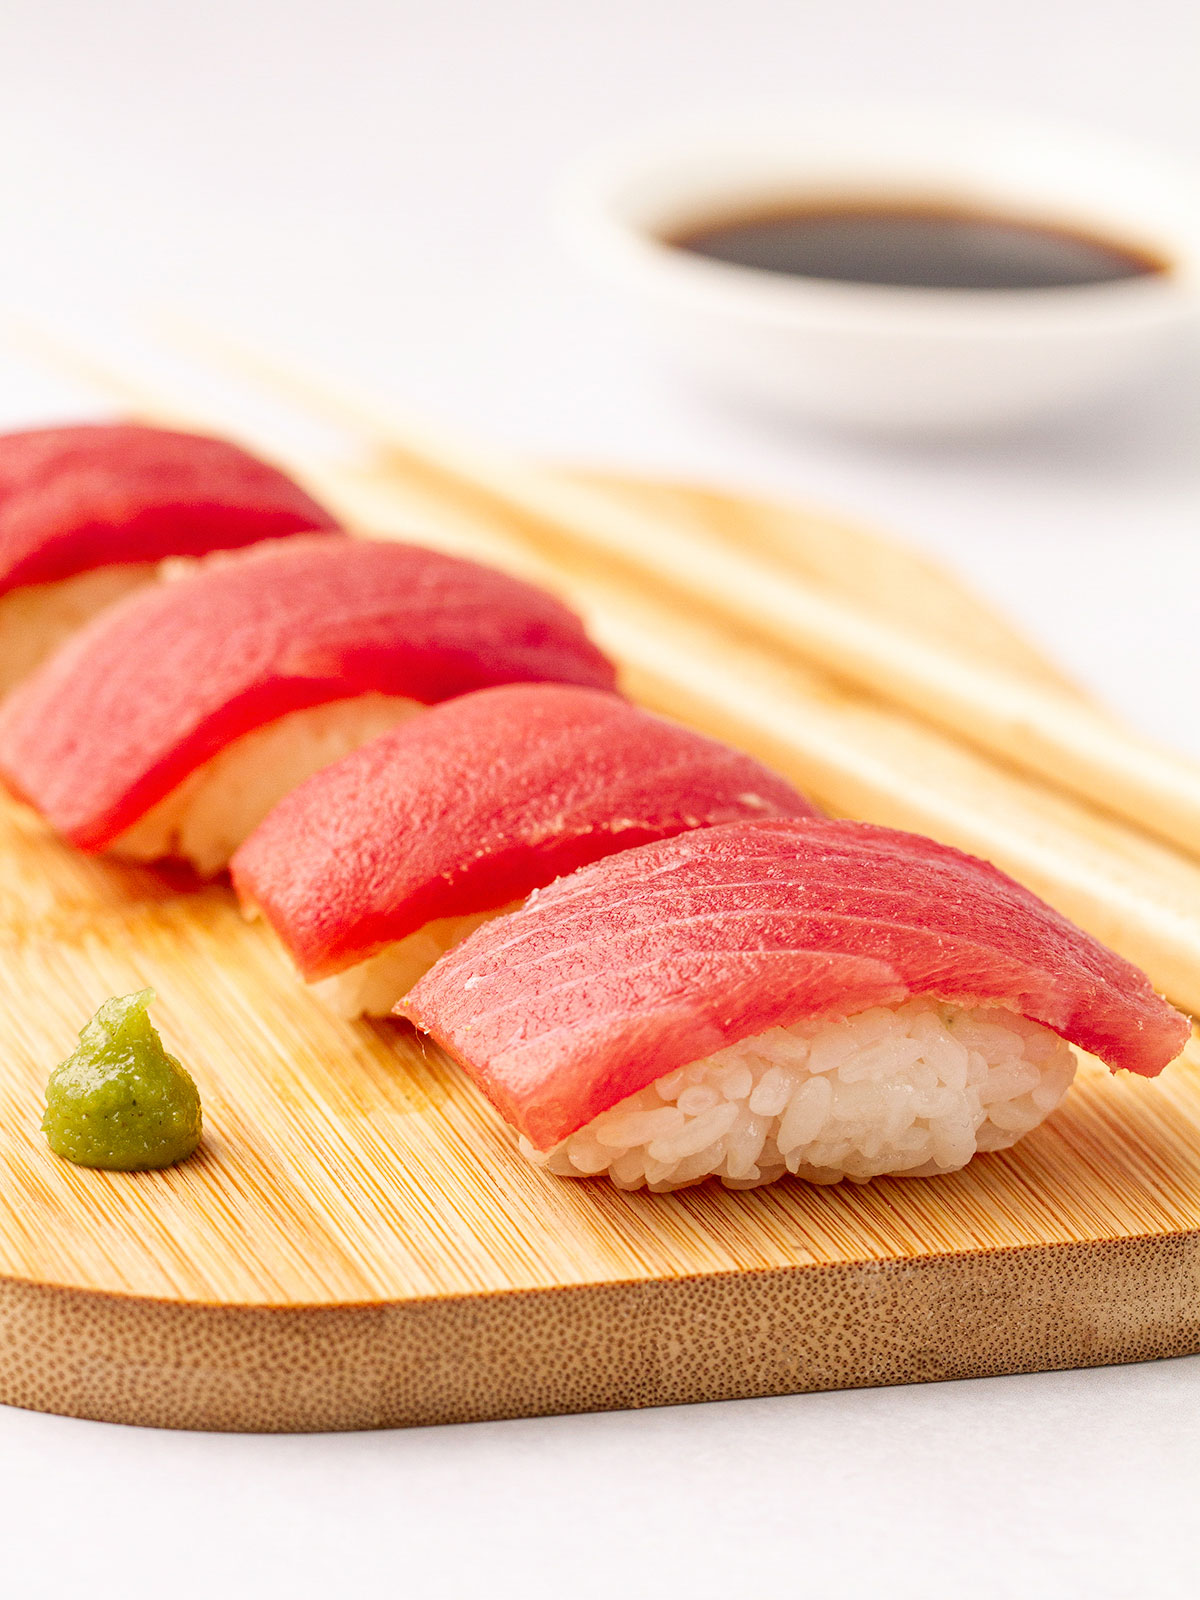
120, 1101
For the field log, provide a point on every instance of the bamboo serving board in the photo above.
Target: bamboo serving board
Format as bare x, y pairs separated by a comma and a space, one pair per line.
358, 1245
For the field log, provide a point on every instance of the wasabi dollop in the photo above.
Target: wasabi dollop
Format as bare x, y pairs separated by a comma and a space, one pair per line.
120, 1101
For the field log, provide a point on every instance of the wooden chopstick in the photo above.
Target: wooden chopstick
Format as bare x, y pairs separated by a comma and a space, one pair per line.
877, 575
1026, 724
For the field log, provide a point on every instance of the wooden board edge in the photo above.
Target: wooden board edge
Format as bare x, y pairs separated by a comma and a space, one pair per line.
477, 1358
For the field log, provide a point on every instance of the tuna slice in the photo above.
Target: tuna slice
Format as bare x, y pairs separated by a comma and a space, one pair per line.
457, 814
658, 957
81, 497
157, 689
87, 513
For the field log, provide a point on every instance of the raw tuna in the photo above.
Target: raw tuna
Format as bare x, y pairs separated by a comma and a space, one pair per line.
658, 957
76, 498
472, 805
162, 682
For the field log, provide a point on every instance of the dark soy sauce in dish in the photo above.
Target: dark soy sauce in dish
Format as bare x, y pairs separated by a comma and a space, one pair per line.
919, 246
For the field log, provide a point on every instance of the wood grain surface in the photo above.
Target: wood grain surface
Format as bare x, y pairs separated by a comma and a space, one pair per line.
358, 1244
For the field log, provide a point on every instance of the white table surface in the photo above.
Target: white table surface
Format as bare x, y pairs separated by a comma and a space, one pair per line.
368, 184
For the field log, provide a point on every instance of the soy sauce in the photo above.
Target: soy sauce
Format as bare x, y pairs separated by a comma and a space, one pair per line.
920, 246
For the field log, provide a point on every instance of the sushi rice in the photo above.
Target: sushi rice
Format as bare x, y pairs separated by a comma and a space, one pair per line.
372, 988
914, 1090
36, 619
206, 817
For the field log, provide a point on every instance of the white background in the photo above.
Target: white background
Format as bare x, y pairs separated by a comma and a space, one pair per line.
370, 184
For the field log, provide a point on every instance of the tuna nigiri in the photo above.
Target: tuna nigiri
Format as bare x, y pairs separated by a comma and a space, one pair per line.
87, 513
170, 725
823, 997
380, 862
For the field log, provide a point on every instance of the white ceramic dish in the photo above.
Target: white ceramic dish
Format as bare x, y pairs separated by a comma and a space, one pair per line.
898, 360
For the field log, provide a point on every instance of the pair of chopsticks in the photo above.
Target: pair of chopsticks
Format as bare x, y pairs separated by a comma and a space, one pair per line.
983, 749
